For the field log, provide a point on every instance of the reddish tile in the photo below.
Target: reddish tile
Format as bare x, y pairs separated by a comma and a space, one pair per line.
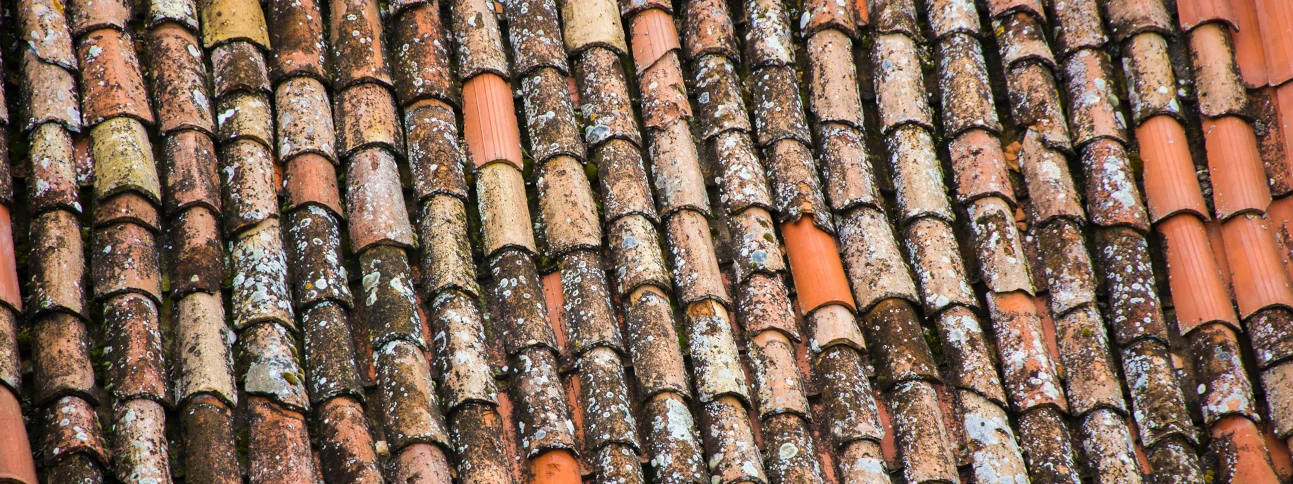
1171, 185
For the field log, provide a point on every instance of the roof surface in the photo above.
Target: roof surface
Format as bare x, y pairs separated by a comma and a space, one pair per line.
701, 241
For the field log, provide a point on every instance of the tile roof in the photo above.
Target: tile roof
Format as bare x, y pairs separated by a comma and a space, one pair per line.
643, 241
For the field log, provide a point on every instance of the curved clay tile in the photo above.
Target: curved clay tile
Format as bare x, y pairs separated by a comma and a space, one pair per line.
592, 24
489, 124
367, 118
1193, 13
43, 28
1276, 20
1151, 83
304, 117
653, 35
1170, 180
190, 172
111, 84
1258, 275
1220, 91
84, 16
50, 95
820, 280
1250, 54
238, 66
179, 80
15, 452
1197, 291
296, 32
1238, 178
233, 20
419, 46
480, 47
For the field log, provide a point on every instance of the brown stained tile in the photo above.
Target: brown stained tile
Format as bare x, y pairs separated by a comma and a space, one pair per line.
1069, 273
707, 29
178, 78
397, 7
1271, 145
569, 210
79, 435
998, 8
1050, 185
420, 47
899, 83
895, 17
850, 409
1051, 456
377, 213
84, 16
1157, 402
478, 427
204, 364
1276, 381
504, 213
272, 371
1108, 447
1112, 196
653, 345
357, 51
231, 20
814, 263
518, 304
1238, 182
846, 167
652, 35
1258, 274
57, 264
278, 445
366, 118
49, 94
795, 186
479, 40
1128, 18
312, 180
1090, 374
11, 367
389, 302
604, 395
1280, 214
764, 304
617, 463
1241, 451
550, 119
542, 417
139, 443
741, 180
998, 243
832, 80
894, 337
629, 8
624, 181
947, 17
534, 32
833, 325
489, 121
458, 331
637, 256
922, 437
314, 249
238, 66
990, 442
731, 441
190, 172
76, 468
589, 316
1271, 342
720, 100
408, 402
790, 448
917, 175
435, 156
15, 452
419, 463
966, 349
1276, 20
61, 359
664, 94
245, 116
588, 24
304, 119
979, 167
1224, 386
296, 35
605, 106
446, 257
1196, 285
43, 28
110, 79
873, 262
183, 12
346, 449
754, 244
767, 36
1030, 376
1170, 180
1093, 107
124, 160
1279, 455
1021, 38
674, 455
676, 171
1219, 88
712, 347
51, 184
127, 207
1151, 82
137, 368
250, 197
777, 107
1035, 103
329, 353
963, 83
125, 260
1078, 26
862, 461
260, 291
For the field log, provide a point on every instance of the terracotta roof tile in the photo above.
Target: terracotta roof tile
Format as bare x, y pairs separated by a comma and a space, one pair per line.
1215, 348
312, 180
110, 79
377, 213
873, 261
1244, 454
741, 180
60, 442
776, 106
895, 17
1021, 39
1093, 107
1128, 18
1193, 13
296, 33
126, 260
346, 450
435, 155
632, 7
550, 135
899, 84
947, 17
11, 368
204, 362
52, 181
1238, 183
965, 91
1249, 51
1135, 310
707, 29
755, 247
942, 279
607, 109
271, 370
1276, 20
139, 441
765, 305
421, 68
592, 23
972, 365
1275, 380
489, 124
1216, 78
250, 196
389, 304
85, 16
480, 48
61, 359
43, 27
366, 118
1196, 286
278, 444
127, 207
813, 255
535, 36
1169, 170
260, 291
1047, 177
208, 427
605, 390
478, 427
893, 336
304, 119
1030, 376
49, 94
190, 172
179, 80
1258, 274
653, 36
850, 181
1112, 196
16, 457
1151, 83
1078, 27
653, 344
316, 257
245, 116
